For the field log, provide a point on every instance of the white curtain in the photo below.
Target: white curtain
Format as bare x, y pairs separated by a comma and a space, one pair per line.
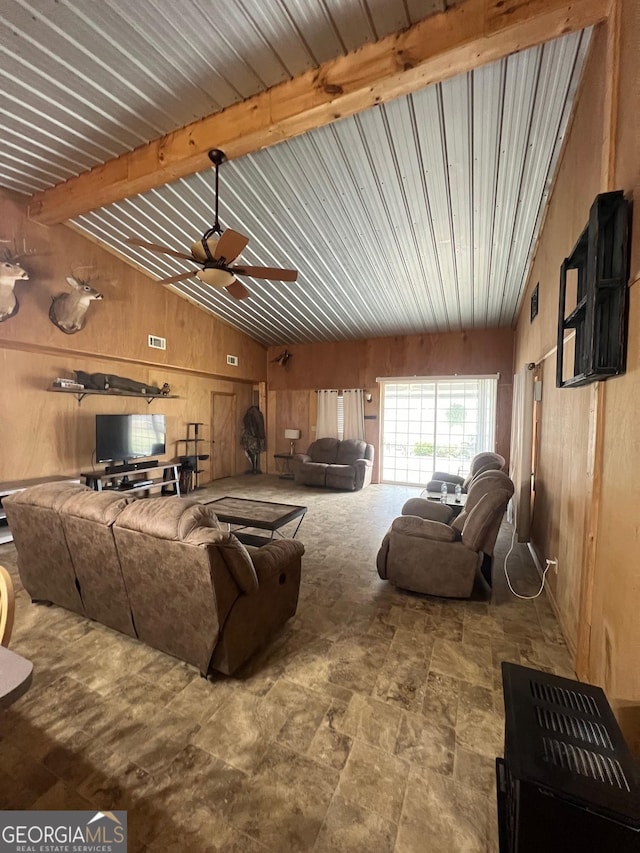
521, 453
353, 407
327, 423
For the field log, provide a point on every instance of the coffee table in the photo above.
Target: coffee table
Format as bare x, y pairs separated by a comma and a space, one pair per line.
262, 515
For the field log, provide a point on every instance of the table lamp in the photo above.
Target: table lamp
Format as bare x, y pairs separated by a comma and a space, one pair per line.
293, 435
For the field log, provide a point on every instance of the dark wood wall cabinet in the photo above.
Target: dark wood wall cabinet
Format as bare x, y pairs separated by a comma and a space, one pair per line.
594, 300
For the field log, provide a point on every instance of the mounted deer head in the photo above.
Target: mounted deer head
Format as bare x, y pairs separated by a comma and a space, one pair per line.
10, 272
68, 310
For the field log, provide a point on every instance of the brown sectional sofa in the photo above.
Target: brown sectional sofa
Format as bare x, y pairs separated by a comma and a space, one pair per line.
335, 464
159, 569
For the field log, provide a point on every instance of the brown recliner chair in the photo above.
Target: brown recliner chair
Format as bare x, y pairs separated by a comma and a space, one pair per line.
480, 463
423, 553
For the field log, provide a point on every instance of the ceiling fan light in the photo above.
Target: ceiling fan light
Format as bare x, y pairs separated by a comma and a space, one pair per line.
215, 277
197, 250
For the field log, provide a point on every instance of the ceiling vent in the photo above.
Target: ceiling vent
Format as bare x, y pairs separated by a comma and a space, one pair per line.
233, 360
157, 342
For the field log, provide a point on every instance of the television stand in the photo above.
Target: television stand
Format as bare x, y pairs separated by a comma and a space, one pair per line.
137, 479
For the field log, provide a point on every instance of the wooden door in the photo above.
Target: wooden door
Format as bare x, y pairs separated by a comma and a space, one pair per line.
223, 435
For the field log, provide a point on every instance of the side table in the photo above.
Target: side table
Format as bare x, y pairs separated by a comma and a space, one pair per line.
456, 505
283, 465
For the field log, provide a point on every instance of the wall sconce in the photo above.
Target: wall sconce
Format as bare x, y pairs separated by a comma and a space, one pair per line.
368, 397
293, 435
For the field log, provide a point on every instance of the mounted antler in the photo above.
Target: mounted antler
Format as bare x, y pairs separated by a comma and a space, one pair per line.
10, 272
68, 310
283, 358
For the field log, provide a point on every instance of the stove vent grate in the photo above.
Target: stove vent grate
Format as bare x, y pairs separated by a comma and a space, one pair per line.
573, 700
600, 768
578, 728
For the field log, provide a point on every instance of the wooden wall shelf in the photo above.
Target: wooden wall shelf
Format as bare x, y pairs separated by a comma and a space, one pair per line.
113, 392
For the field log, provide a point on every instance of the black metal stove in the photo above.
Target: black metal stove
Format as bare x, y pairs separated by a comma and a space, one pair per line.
568, 781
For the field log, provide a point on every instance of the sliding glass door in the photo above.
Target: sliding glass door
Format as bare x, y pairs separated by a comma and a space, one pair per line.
435, 424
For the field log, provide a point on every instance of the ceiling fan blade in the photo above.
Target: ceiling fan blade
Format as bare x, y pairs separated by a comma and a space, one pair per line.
237, 290
154, 247
229, 246
271, 273
176, 278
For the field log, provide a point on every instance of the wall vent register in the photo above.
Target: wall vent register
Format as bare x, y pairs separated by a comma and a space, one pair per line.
156, 342
233, 360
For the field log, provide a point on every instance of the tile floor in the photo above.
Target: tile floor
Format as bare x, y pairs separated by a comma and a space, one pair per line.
370, 723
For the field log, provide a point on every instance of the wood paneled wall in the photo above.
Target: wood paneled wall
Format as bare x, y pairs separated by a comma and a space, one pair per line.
45, 433
563, 416
587, 495
358, 364
614, 649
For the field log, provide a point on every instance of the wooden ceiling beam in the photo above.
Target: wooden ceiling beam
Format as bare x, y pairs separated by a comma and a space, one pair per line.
452, 42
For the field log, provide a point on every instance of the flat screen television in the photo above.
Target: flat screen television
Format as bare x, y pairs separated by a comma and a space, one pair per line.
120, 438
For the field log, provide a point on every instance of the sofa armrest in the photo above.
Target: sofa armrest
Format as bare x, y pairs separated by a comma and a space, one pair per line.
448, 478
275, 556
381, 558
363, 464
362, 470
411, 525
430, 510
301, 457
240, 563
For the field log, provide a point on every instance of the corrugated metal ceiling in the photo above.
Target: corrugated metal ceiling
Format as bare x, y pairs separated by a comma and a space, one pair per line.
419, 215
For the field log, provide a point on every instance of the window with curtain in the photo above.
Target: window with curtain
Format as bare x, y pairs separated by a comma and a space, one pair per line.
327, 418
340, 415
435, 424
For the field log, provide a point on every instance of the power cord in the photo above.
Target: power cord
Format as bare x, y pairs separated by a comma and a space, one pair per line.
506, 574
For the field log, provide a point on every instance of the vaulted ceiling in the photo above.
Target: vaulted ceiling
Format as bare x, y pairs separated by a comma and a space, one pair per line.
416, 214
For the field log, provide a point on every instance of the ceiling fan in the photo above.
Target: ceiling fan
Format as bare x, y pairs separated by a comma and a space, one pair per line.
216, 252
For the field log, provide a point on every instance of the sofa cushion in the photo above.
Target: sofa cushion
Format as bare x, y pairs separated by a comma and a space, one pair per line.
171, 518
194, 524
349, 450
313, 473
87, 519
101, 507
47, 495
324, 450
44, 562
340, 476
